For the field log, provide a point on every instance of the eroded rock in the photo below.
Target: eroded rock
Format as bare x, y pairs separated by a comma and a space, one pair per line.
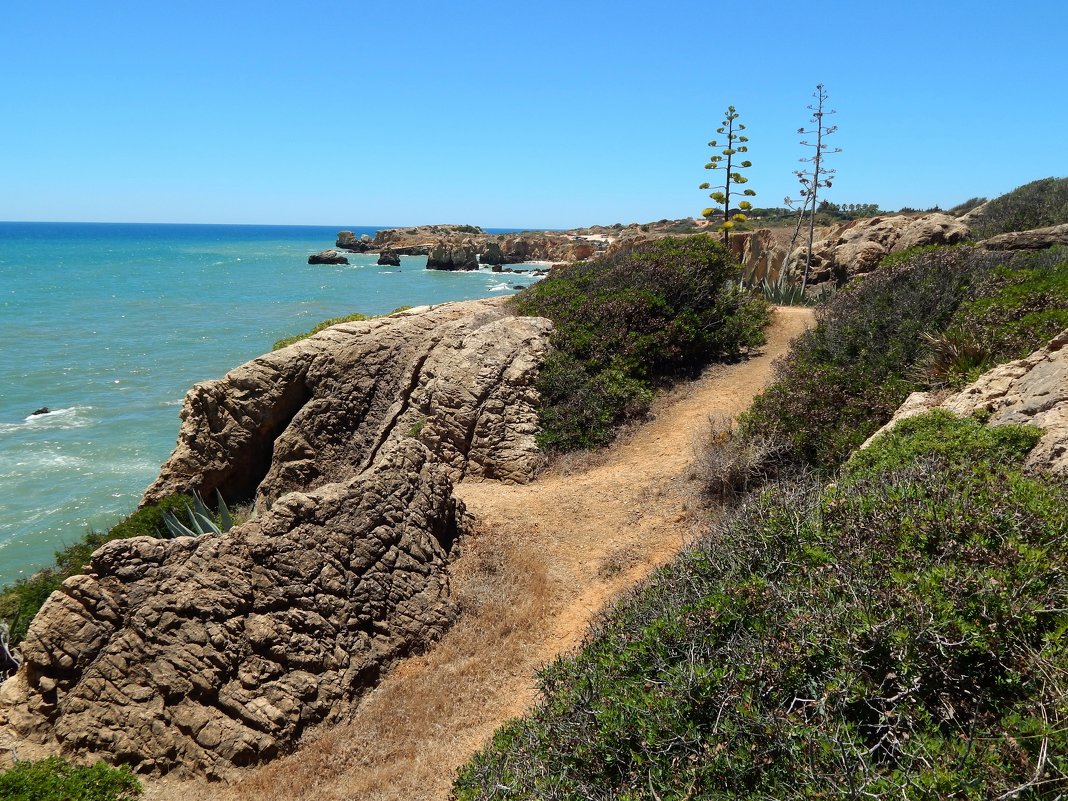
205, 654
214, 652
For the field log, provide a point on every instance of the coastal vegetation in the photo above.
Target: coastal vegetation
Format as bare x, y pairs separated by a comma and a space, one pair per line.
926, 318
897, 634
355, 317
1038, 204
627, 324
55, 779
883, 623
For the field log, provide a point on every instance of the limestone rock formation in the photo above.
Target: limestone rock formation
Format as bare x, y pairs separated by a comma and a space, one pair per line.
1035, 239
761, 254
459, 375
491, 254
327, 257
213, 652
446, 255
857, 247
389, 257
219, 651
1031, 390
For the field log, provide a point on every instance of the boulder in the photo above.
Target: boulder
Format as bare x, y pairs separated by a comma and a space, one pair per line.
1032, 390
446, 255
1035, 239
327, 257
204, 654
857, 247
389, 257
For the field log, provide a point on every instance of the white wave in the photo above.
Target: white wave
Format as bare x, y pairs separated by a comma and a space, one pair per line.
71, 417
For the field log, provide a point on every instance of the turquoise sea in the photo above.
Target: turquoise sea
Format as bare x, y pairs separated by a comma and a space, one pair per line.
108, 325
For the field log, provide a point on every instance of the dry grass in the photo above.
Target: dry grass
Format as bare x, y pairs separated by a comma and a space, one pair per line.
408, 736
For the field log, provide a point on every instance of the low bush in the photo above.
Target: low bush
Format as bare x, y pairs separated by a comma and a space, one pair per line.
1035, 205
847, 375
19, 602
625, 324
900, 634
55, 779
928, 318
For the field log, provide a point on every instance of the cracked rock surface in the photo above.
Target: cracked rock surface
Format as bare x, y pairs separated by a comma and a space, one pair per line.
209, 653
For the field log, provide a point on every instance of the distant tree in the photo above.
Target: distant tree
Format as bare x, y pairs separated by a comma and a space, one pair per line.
733, 145
816, 177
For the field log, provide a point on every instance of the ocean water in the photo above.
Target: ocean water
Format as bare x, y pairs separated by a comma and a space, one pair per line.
108, 325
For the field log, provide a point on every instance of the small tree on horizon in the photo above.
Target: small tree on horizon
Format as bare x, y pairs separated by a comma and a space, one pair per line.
733, 145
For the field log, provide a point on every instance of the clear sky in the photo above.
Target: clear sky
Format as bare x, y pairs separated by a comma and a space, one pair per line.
502, 114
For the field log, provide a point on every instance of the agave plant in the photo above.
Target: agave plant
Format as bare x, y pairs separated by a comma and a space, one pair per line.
201, 521
783, 294
8, 652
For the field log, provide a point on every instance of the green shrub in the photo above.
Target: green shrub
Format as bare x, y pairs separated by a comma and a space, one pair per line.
19, 602
1019, 306
625, 324
898, 635
928, 318
54, 779
1035, 205
846, 376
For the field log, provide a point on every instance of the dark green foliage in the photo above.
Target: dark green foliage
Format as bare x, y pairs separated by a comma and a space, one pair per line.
624, 324
54, 779
926, 318
20, 601
1021, 306
846, 376
899, 635
1035, 205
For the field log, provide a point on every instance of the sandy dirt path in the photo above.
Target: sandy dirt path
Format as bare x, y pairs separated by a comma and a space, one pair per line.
545, 558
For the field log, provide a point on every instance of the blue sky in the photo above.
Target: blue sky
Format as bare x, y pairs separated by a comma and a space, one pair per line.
503, 114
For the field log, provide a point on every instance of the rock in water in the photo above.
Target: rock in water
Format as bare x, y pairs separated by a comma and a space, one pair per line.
327, 257
389, 257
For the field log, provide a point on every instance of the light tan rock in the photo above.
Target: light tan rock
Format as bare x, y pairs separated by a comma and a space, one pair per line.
458, 376
857, 247
1032, 390
202, 654
1035, 239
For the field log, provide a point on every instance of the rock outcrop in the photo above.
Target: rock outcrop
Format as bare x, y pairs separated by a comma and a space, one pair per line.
1035, 239
389, 257
857, 247
327, 257
450, 255
761, 254
214, 652
1032, 390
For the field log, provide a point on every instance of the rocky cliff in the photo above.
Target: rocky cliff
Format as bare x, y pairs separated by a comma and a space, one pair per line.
203, 654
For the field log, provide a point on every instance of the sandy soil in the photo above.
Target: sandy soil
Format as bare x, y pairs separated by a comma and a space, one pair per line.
546, 557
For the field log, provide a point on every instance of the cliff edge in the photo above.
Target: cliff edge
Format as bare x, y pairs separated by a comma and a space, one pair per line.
209, 653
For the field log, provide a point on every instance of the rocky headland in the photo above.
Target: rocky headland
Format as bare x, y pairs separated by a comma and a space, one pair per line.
209, 653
